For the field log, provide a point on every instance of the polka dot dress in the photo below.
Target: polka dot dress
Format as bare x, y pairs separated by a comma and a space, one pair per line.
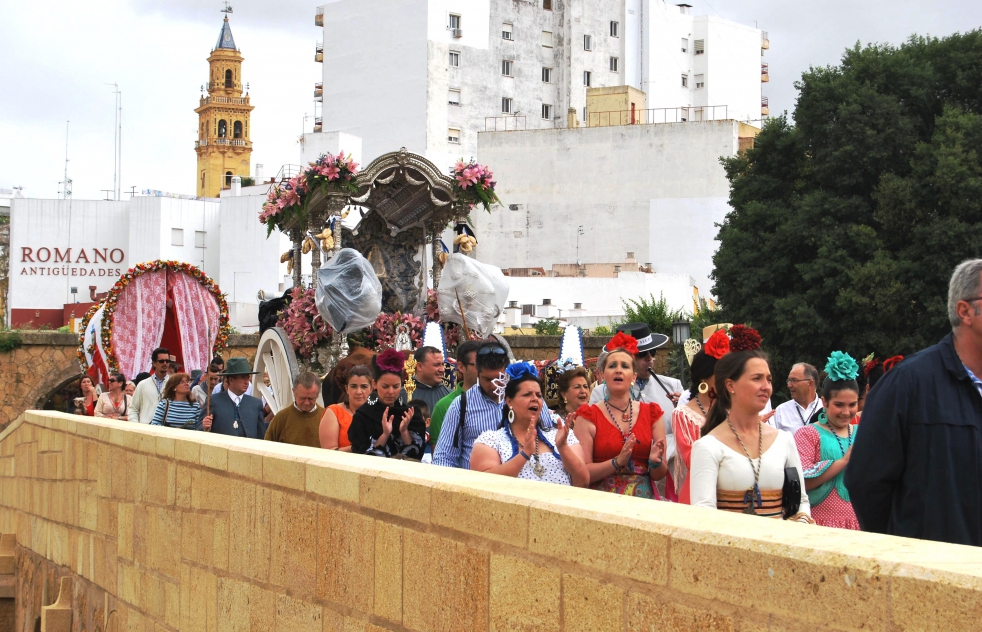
554, 472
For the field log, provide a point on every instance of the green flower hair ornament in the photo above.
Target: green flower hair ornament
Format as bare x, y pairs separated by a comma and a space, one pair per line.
841, 366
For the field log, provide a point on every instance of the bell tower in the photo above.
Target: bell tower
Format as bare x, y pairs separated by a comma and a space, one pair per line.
223, 146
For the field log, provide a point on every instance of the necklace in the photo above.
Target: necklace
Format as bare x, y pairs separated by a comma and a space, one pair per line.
809, 411
626, 417
701, 407
617, 408
117, 403
753, 493
538, 468
838, 439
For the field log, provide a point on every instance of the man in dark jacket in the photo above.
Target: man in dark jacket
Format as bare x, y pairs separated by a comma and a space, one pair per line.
916, 466
232, 412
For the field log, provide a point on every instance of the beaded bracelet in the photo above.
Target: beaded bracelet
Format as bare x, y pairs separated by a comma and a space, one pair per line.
654, 466
522, 453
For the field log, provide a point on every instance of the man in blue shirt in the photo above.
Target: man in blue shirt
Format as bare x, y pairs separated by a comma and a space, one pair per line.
482, 405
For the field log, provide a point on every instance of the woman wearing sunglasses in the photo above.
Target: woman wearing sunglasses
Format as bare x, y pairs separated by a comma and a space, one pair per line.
115, 404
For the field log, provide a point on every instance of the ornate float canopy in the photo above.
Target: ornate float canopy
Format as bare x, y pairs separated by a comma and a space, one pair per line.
406, 190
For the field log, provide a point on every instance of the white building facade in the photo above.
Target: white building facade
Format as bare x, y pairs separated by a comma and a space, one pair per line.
591, 195
429, 75
58, 245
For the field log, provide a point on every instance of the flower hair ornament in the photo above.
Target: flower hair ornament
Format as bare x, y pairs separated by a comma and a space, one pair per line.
518, 370
623, 341
743, 338
565, 365
889, 363
841, 367
869, 363
500, 383
390, 361
718, 344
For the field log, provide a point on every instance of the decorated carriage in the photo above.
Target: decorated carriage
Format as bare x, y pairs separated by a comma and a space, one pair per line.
166, 304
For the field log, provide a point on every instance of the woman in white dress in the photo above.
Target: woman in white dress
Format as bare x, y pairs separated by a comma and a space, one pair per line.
738, 464
521, 449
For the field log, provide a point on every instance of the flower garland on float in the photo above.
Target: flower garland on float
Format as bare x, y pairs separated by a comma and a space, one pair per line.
109, 305
288, 202
474, 184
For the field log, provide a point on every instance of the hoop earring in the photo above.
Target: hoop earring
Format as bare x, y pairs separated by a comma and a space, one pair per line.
606, 393
511, 416
823, 418
704, 387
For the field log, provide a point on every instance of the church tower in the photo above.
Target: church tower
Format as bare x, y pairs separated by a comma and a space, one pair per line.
223, 146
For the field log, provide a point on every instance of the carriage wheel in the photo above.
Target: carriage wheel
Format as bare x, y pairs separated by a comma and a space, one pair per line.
276, 358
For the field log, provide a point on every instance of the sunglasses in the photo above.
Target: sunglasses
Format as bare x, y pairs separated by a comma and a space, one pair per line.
644, 355
491, 351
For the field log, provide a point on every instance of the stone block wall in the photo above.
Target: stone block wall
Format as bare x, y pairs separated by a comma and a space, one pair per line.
160, 529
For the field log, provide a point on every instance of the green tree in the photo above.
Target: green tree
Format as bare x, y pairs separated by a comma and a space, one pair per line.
846, 225
654, 312
548, 327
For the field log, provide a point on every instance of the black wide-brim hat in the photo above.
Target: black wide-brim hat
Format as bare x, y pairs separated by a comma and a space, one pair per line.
237, 366
647, 341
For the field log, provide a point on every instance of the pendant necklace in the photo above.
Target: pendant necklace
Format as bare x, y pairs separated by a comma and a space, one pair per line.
753, 493
627, 416
538, 468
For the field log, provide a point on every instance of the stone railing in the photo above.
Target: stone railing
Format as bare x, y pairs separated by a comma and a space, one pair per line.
143, 527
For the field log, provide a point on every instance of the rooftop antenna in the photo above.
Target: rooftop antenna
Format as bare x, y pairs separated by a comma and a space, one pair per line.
117, 140
66, 184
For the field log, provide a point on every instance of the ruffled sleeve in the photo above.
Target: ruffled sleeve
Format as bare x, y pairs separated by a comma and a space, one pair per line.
590, 412
809, 446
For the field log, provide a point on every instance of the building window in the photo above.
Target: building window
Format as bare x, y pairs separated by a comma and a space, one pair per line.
222, 129
506, 67
584, 114
177, 236
547, 75
547, 111
547, 39
228, 179
547, 5
455, 58
587, 42
199, 239
237, 129
685, 81
700, 81
586, 78
699, 47
454, 22
506, 105
453, 135
685, 45
228, 78
454, 97
615, 29
506, 31
614, 64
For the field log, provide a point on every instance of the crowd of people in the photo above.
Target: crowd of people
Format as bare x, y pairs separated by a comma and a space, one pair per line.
883, 446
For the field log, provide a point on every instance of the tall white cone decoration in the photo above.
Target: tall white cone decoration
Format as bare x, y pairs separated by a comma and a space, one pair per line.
433, 337
571, 347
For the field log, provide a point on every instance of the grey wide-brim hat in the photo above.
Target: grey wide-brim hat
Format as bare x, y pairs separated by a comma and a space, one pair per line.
237, 366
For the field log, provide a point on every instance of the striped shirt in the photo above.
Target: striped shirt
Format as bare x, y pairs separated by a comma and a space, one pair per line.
481, 414
975, 380
179, 414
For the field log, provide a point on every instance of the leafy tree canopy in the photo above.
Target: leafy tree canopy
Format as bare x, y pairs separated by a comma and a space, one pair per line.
846, 226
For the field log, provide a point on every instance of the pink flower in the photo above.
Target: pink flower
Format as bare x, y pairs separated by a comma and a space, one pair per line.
332, 172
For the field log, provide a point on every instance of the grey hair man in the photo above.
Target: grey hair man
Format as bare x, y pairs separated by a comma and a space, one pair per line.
804, 402
913, 468
299, 424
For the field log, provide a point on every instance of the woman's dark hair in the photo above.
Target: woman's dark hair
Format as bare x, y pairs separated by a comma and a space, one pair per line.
170, 388
359, 370
830, 388
512, 389
703, 367
140, 377
118, 377
729, 367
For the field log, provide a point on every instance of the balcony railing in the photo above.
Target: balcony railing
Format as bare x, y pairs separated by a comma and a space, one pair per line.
657, 116
764, 109
765, 41
318, 91
504, 124
226, 100
319, 52
764, 76
319, 16
318, 124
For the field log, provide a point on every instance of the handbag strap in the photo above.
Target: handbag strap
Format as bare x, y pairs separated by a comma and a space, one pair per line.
163, 422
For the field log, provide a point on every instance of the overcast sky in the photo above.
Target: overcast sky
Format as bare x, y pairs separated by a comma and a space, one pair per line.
57, 57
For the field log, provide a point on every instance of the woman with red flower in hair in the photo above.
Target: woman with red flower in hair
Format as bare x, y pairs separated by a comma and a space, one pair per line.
623, 441
688, 420
384, 426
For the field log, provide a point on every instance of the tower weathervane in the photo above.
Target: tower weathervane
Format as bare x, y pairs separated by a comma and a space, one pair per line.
228, 7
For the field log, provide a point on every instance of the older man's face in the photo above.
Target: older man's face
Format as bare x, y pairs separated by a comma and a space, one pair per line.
798, 383
305, 397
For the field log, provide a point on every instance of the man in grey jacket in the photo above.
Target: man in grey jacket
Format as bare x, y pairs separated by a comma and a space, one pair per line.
233, 412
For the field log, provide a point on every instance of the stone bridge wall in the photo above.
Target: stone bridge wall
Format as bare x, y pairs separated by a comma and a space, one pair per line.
147, 528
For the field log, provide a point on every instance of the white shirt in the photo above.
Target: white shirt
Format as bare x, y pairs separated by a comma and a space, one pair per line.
218, 389
791, 415
236, 399
717, 466
145, 399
